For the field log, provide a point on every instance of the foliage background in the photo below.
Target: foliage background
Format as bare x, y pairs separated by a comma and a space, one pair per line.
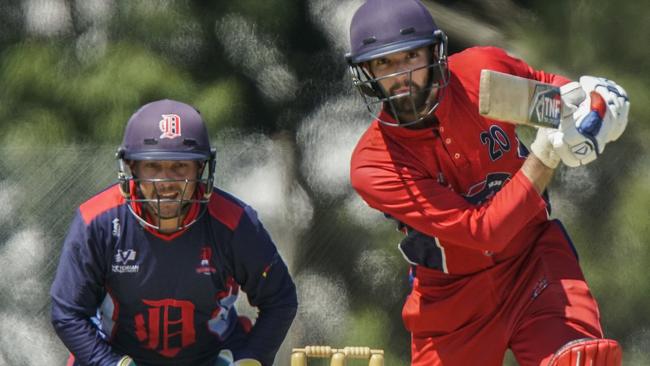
270, 80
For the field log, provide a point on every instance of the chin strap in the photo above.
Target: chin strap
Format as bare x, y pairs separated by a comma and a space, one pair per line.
212, 164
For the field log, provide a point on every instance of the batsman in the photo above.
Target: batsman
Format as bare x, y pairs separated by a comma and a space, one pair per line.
490, 269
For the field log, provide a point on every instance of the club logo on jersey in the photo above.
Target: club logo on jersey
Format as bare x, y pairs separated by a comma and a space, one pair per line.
170, 126
484, 190
206, 266
116, 227
123, 260
167, 326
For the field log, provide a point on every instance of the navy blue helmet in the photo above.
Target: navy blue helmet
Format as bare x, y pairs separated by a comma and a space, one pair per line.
383, 27
166, 130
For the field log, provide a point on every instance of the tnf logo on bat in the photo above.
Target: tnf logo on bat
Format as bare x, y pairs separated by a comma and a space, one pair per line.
546, 106
170, 126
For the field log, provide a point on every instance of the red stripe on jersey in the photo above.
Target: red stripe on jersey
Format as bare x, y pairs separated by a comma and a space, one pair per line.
224, 210
102, 202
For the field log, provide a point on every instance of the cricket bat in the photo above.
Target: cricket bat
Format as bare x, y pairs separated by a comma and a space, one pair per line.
518, 100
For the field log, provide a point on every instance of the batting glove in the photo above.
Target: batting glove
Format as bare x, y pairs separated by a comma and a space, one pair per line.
597, 111
617, 107
542, 148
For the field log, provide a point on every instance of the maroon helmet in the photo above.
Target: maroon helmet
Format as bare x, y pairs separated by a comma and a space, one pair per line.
383, 27
166, 130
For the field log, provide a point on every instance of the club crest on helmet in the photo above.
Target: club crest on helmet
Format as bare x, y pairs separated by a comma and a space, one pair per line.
170, 126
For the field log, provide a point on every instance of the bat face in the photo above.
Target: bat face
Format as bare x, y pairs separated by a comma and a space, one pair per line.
517, 100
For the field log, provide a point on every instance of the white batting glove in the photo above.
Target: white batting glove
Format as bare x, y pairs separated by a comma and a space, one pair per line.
596, 114
617, 106
542, 148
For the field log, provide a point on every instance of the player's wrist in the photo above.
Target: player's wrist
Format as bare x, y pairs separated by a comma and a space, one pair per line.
537, 173
549, 159
542, 148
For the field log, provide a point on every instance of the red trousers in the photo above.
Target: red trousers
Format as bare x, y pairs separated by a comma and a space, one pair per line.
532, 304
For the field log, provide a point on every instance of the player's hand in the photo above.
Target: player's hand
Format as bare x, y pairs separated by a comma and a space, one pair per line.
596, 114
225, 358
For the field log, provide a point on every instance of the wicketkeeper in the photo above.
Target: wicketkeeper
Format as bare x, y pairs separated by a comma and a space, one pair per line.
152, 266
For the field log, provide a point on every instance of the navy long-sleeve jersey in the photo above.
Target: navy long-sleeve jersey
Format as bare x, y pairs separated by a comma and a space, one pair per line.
123, 289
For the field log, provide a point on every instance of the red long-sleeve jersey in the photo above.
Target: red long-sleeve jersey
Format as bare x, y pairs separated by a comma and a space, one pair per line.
459, 182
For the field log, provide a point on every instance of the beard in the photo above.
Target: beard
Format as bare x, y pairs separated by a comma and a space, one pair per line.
409, 105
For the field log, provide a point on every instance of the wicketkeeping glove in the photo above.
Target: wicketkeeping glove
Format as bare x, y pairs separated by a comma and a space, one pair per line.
126, 361
597, 114
225, 358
